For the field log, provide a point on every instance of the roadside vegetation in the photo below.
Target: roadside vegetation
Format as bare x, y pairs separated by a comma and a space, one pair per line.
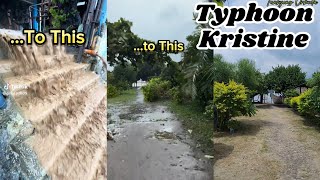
308, 103
203, 85
125, 97
198, 78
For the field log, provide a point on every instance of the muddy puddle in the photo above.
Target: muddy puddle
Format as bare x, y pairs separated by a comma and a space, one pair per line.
150, 144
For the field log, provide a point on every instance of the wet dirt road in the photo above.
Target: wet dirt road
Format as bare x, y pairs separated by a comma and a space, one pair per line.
150, 144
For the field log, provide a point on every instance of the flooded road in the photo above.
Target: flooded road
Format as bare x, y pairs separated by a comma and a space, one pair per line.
150, 144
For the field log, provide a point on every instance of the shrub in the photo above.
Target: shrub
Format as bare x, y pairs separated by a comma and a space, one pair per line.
291, 93
230, 100
122, 85
234, 124
176, 95
287, 101
112, 91
156, 89
310, 103
295, 101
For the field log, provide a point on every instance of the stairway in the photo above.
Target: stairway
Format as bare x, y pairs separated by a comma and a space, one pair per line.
66, 105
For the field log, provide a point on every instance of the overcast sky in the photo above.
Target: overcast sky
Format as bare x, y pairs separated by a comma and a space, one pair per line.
172, 19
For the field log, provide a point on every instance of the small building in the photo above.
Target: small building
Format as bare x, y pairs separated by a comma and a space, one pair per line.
302, 88
139, 83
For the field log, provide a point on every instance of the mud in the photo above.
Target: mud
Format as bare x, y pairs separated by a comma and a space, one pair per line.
150, 144
65, 104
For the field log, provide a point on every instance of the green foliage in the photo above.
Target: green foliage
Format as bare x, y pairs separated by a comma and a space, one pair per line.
310, 103
192, 118
122, 77
124, 97
121, 85
126, 73
65, 15
231, 100
287, 101
122, 41
234, 124
283, 78
146, 70
112, 91
315, 80
177, 95
248, 75
156, 89
291, 93
295, 101
201, 70
58, 17
197, 81
172, 72
219, 2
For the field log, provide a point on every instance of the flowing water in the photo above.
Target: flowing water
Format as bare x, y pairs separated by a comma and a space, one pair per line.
64, 103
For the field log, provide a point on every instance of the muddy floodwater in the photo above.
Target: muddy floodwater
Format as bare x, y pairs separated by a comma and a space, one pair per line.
150, 144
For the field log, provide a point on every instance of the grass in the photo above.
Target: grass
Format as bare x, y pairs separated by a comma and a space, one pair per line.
124, 97
193, 119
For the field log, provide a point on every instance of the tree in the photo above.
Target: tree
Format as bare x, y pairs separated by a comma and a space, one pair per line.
172, 72
248, 75
65, 14
231, 100
122, 76
315, 80
146, 70
215, 69
125, 73
283, 78
121, 44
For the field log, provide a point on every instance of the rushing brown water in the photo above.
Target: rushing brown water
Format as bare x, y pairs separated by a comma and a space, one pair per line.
64, 102
31, 58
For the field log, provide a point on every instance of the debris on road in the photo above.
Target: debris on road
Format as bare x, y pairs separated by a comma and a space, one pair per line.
208, 156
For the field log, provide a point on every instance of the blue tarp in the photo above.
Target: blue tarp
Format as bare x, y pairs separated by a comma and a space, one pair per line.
3, 103
35, 14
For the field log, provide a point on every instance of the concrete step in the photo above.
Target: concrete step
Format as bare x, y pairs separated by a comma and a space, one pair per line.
44, 83
101, 171
27, 60
97, 160
60, 135
5, 68
43, 107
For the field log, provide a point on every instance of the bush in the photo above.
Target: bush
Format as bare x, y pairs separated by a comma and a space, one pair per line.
291, 93
310, 103
294, 102
234, 124
112, 91
122, 85
156, 89
176, 95
230, 100
287, 101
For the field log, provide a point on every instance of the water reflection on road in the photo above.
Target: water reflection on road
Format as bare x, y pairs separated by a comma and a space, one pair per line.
150, 144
